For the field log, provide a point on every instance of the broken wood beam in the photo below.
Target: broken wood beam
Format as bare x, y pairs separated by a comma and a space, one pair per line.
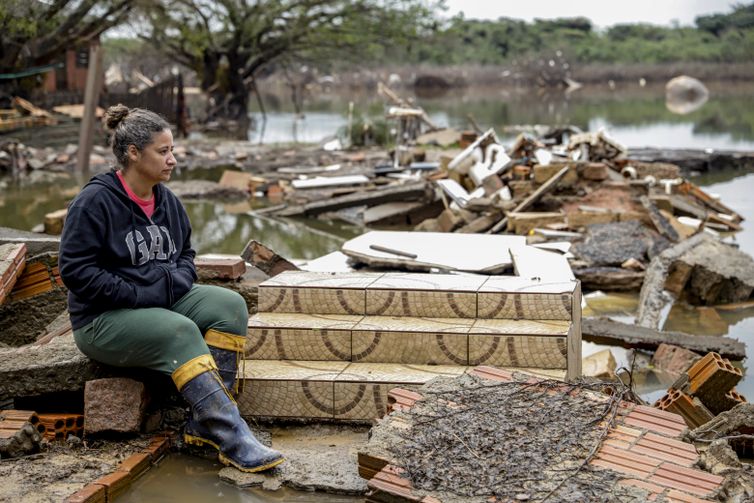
533, 198
614, 333
369, 198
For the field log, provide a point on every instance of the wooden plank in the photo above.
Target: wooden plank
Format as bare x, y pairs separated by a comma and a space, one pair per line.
409, 192
614, 333
91, 97
533, 198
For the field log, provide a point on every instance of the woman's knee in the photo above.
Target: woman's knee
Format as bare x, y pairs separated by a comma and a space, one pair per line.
180, 330
231, 311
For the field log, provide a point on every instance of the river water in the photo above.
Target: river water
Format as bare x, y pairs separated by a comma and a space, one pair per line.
634, 115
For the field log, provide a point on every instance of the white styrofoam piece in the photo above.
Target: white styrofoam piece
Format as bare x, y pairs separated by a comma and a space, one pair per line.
487, 253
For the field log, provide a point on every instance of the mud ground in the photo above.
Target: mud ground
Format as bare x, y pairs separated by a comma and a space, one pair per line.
62, 468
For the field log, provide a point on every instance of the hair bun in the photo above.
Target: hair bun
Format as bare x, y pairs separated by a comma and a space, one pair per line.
114, 115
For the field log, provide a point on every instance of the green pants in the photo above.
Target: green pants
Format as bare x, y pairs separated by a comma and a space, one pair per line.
163, 339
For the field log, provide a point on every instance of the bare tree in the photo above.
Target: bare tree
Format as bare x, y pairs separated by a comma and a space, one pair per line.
231, 42
33, 32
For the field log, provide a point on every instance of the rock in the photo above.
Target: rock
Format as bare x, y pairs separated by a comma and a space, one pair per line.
674, 359
24, 441
35, 243
449, 220
241, 479
271, 485
115, 404
215, 266
601, 365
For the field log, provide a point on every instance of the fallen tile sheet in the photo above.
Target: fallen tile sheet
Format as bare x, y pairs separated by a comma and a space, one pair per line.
423, 251
531, 262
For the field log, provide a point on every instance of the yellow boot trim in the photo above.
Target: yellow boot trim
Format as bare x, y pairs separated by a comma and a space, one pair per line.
229, 342
191, 369
224, 340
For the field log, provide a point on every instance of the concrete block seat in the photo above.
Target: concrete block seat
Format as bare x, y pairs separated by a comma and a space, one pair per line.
332, 345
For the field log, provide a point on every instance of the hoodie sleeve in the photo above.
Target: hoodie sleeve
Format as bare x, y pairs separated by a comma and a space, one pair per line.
80, 248
185, 273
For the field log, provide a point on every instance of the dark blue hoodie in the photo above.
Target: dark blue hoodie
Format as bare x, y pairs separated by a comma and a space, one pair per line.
113, 257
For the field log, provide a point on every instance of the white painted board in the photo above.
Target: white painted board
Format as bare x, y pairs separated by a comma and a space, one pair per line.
423, 251
329, 181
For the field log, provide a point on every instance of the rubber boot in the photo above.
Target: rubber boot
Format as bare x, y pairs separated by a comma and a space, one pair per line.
215, 419
227, 350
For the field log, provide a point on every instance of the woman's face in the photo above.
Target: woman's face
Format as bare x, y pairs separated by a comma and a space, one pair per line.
155, 163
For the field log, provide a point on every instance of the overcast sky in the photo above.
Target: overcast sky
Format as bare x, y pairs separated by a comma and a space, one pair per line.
602, 12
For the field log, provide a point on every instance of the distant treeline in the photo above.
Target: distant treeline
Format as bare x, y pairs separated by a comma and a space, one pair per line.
721, 38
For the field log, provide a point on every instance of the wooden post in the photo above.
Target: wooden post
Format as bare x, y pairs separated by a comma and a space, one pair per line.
91, 98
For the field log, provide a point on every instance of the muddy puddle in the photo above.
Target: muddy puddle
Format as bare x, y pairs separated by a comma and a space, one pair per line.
189, 479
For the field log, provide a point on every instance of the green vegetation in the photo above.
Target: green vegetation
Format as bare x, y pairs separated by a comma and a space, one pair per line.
722, 38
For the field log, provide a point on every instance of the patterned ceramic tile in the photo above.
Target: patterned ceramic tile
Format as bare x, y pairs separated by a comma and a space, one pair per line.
518, 351
308, 300
435, 304
281, 398
397, 373
410, 347
413, 324
519, 306
298, 344
292, 370
360, 401
303, 279
520, 327
510, 284
429, 282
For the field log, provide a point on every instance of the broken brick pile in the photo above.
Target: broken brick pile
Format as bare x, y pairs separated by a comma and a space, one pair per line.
703, 391
37, 278
642, 450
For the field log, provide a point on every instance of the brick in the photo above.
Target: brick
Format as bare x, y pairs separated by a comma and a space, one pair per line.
157, 448
673, 359
114, 404
136, 464
92, 493
449, 220
12, 264
711, 378
544, 173
624, 461
114, 483
674, 496
229, 267
595, 171
578, 219
692, 412
686, 479
522, 222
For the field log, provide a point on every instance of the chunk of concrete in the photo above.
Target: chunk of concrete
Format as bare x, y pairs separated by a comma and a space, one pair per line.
53, 367
713, 273
115, 404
